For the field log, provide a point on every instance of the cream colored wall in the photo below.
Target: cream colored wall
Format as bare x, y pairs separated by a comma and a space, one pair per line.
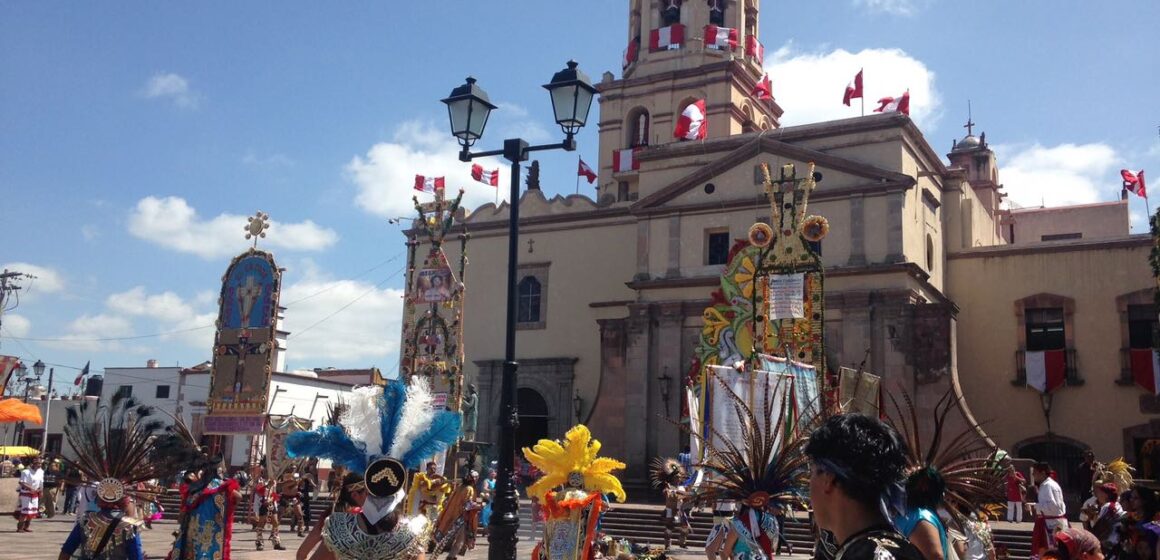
590, 264
1093, 221
986, 289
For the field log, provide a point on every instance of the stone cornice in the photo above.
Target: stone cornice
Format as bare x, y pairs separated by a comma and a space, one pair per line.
1131, 242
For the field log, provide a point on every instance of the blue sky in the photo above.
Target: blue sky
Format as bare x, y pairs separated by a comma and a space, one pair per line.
137, 137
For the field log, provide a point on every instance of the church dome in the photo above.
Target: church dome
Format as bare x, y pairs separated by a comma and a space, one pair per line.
970, 142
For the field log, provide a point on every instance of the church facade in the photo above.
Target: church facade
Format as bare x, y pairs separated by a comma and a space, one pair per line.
930, 282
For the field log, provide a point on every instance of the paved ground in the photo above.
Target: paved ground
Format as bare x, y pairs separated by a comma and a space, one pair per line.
48, 534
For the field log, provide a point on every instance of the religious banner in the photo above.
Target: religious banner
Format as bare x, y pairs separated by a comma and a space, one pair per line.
787, 296
245, 341
860, 392
432, 330
277, 429
758, 389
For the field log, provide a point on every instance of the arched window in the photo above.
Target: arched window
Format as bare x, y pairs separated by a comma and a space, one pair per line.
929, 253
637, 126
670, 12
717, 12
528, 301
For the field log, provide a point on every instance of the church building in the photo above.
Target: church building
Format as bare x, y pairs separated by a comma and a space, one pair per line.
931, 281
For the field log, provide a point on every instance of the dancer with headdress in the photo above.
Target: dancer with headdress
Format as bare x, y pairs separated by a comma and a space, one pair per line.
458, 523
572, 489
668, 475
349, 499
953, 473
428, 491
764, 469
113, 446
205, 522
385, 431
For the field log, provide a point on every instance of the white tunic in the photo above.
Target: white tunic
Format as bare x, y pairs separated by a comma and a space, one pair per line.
31, 484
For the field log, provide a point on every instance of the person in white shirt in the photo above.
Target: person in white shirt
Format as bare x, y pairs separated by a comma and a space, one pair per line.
31, 485
1051, 511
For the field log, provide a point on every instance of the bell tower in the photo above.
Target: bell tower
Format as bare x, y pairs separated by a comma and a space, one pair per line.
678, 52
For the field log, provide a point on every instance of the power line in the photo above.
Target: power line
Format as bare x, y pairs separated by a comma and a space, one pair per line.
352, 302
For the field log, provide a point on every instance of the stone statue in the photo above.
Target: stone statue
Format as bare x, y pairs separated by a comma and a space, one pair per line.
470, 410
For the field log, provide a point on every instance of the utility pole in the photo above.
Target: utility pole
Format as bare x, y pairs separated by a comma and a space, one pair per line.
9, 290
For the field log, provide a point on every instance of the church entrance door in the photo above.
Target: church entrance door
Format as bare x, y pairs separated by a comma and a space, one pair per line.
533, 411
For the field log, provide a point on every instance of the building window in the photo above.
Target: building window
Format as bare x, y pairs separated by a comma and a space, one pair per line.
162, 391
1139, 334
528, 300
637, 124
716, 247
929, 253
1045, 329
1142, 323
124, 391
670, 12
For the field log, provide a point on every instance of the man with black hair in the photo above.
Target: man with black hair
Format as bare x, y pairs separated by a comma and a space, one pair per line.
1050, 510
856, 471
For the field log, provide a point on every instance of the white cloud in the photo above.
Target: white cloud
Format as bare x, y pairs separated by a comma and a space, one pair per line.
895, 7
171, 222
385, 176
166, 306
512, 121
16, 325
798, 77
173, 87
47, 280
90, 232
367, 330
1054, 176
85, 332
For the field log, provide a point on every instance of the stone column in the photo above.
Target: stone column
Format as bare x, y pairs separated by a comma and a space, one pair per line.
641, 250
894, 252
607, 416
857, 231
667, 361
673, 269
636, 390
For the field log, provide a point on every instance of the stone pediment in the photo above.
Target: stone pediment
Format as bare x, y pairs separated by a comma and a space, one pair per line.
734, 176
533, 203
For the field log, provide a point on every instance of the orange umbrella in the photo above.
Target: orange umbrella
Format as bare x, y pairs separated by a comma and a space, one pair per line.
15, 410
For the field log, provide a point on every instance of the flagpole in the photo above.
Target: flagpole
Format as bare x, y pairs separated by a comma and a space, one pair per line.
577, 174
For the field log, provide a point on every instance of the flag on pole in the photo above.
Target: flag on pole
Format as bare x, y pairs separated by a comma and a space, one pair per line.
693, 124
853, 89
586, 172
1134, 182
1046, 369
895, 104
764, 88
428, 184
84, 372
485, 177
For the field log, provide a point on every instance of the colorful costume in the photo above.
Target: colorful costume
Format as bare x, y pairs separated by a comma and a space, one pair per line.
457, 524
428, 490
207, 520
669, 476
571, 490
114, 446
385, 431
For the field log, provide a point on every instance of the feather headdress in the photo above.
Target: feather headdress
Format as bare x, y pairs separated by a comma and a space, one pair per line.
959, 468
1118, 472
114, 446
395, 421
768, 464
666, 470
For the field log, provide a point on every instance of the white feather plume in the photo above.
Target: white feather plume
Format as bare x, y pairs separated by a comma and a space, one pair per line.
362, 418
416, 418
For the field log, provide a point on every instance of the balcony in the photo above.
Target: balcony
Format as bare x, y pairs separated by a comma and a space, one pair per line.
1070, 366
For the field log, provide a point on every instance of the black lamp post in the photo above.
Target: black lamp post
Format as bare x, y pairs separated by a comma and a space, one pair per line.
468, 108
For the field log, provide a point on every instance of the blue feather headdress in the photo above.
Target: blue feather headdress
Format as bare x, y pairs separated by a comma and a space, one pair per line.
396, 421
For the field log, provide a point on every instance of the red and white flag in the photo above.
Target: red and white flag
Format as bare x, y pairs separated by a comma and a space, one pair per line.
428, 184
1046, 369
894, 104
693, 124
764, 88
853, 89
7, 364
629, 54
667, 38
485, 177
1145, 364
724, 38
82, 374
1134, 182
754, 49
587, 172
623, 160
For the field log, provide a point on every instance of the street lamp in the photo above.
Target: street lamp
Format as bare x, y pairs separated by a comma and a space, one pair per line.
468, 108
